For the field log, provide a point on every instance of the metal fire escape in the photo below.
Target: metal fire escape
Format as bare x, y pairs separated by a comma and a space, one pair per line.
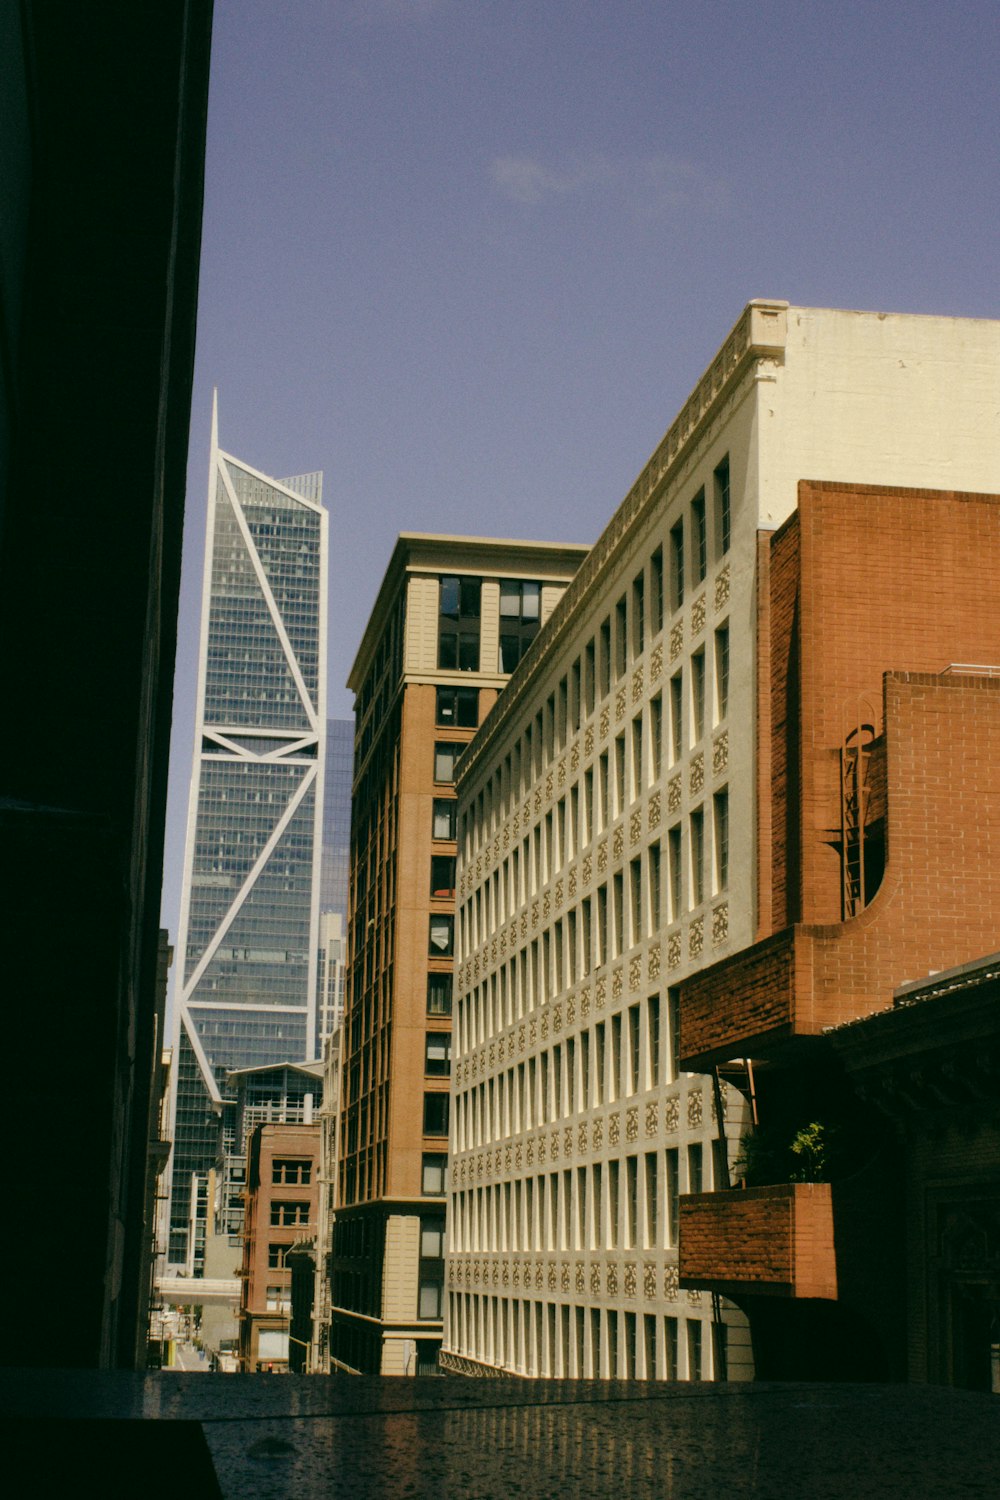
855, 758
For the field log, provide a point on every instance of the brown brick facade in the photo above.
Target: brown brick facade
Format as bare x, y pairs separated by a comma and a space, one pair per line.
779, 1238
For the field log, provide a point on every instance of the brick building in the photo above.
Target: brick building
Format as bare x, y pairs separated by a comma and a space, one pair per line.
619, 808
281, 1210
878, 807
452, 619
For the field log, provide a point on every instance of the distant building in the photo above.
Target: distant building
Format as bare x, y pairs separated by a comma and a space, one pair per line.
336, 864
331, 972
453, 617
249, 942
280, 1210
650, 798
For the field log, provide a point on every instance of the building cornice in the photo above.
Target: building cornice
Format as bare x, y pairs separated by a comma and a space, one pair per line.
758, 335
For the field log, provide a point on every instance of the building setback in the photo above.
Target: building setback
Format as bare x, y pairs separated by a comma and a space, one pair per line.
453, 617
613, 820
249, 941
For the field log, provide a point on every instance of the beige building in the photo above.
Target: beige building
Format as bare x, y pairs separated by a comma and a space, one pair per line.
453, 617
608, 825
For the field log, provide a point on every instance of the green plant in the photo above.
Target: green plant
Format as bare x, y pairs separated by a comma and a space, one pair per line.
812, 1148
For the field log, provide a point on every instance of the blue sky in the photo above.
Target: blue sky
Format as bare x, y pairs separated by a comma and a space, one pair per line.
469, 256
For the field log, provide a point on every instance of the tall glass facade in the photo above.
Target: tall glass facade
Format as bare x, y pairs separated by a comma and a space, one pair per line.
249, 917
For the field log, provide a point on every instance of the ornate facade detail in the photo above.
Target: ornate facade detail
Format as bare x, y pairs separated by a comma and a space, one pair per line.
656, 661
637, 684
696, 938
544, 1026
720, 923
653, 962
568, 1141
517, 1156
574, 758
696, 778
571, 883
595, 1280
554, 1146
612, 1280
676, 640
542, 1151
630, 1278
673, 950
653, 809
694, 1297
564, 1277
546, 906
720, 753
632, 1123
635, 971
621, 703
648, 1280
617, 985
605, 721
698, 615
618, 842
570, 1010
722, 588
581, 1137
614, 1130
585, 1003
635, 826
539, 1279
602, 858
578, 1280
557, 1017
600, 991
674, 793
553, 1282
587, 869
532, 1032
561, 772
671, 1283
597, 1134
529, 1152
538, 800
695, 1108
548, 786
652, 1117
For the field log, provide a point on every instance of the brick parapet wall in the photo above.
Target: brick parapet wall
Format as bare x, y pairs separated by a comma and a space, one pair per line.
779, 1240
938, 904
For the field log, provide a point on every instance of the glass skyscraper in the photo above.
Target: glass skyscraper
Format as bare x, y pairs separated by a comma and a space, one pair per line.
248, 941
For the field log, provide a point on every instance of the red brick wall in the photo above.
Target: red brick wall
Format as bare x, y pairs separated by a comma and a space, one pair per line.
779, 1238
890, 580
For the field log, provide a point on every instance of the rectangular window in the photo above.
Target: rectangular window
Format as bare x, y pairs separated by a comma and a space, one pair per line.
721, 672
621, 639
676, 717
636, 788
434, 1174
447, 754
618, 913
613, 1204
443, 826
635, 900
604, 661
655, 738
652, 1206
442, 936
603, 787
279, 1299
694, 1349
672, 1162
676, 566
443, 877
670, 1348
699, 538
631, 1201
656, 591
457, 706
697, 696
520, 618
655, 898
284, 1213
432, 1237
619, 775
697, 857
284, 1170
638, 615
590, 677
673, 1034
276, 1256
437, 1054
436, 1114
723, 518
653, 1039
439, 994
695, 1160
674, 871
634, 1048
431, 1299
458, 624
720, 819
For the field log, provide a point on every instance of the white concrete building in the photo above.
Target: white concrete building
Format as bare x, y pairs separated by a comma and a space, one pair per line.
607, 827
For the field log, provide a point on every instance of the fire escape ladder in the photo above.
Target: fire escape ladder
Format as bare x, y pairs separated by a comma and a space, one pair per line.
855, 758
